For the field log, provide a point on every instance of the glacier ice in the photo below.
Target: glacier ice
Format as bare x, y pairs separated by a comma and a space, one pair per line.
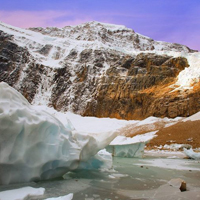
191, 154
35, 145
66, 197
102, 160
128, 147
135, 150
21, 193
28, 192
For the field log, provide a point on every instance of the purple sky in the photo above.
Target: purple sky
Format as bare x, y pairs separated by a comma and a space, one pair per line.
175, 21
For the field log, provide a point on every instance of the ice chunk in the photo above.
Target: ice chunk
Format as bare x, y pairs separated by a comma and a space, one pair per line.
21, 193
34, 145
66, 197
123, 146
37, 146
176, 147
191, 154
135, 150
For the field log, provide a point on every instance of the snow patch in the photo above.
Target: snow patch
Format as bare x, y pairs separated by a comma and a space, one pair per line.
176, 147
44, 90
21, 193
194, 117
66, 197
122, 140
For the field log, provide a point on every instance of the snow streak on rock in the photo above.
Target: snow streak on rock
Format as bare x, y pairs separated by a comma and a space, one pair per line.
75, 67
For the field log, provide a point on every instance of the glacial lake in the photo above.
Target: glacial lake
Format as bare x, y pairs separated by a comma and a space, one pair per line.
130, 178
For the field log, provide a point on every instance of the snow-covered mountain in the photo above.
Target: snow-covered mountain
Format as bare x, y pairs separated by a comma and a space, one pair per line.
100, 69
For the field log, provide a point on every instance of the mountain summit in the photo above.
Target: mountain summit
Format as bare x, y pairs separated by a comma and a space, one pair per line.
100, 69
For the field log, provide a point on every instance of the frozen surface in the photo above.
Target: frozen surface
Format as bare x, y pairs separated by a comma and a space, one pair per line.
191, 154
21, 193
164, 154
37, 146
170, 163
129, 179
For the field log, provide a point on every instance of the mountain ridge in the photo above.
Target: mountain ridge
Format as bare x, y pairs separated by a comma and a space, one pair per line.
83, 67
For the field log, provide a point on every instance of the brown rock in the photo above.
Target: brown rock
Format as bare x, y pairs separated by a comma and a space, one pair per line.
178, 183
177, 133
139, 88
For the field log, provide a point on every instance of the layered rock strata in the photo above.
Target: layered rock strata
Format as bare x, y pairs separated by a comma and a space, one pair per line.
96, 69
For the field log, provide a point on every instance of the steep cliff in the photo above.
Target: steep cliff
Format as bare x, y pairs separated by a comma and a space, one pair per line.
101, 70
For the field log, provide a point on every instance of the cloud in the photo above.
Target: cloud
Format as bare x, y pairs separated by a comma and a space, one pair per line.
26, 19
59, 18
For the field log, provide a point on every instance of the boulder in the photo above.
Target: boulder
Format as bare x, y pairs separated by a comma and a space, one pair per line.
178, 183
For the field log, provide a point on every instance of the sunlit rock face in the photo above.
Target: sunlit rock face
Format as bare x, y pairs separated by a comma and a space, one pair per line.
35, 145
102, 70
138, 87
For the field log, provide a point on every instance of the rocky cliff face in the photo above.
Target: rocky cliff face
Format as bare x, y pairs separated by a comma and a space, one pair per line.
132, 90
98, 69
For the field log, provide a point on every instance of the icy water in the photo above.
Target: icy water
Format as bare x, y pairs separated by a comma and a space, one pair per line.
130, 179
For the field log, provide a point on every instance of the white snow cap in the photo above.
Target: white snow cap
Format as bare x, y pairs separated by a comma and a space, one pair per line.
61, 41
